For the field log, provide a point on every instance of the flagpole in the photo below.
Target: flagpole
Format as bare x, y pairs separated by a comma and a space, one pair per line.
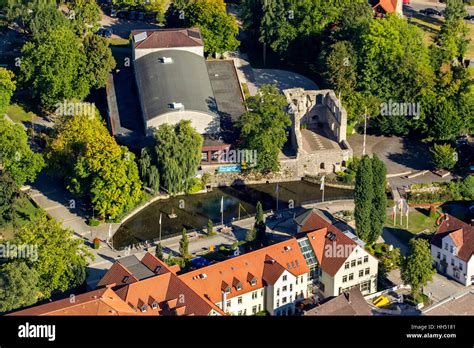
222, 211
278, 190
160, 228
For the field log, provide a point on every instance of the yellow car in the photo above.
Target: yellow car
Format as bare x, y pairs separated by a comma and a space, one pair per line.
381, 301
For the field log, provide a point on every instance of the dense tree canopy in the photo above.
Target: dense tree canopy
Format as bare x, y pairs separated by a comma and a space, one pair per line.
263, 127
18, 286
417, 268
36, 16
99, 60
53, 67
85, 16
93, 164
16, 156
7, 87
443, 156
61, 258
217, 26
8, 194
177, 155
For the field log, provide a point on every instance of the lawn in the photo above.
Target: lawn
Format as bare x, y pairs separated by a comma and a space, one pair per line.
418, 221
18, 114
25, 212
118, 41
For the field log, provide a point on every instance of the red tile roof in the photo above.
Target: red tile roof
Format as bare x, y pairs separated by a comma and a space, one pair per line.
389, 6
318, 237
97, 302
210, 280
169, 38
461, 233
117, 274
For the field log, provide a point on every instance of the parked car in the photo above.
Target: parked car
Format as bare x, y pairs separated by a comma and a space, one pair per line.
469, 18
113, 13
122, 14
105, 32
430, 12
132, 15
462, 140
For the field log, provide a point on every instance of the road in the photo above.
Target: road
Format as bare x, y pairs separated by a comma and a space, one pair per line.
418, 5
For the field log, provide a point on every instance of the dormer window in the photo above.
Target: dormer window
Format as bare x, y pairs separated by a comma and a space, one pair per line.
239, 286
154, 305
125, 279
144, 308
227, 290
253, 282
157, 269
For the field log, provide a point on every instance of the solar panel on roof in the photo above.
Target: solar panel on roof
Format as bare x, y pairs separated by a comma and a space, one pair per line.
194, 34
140, 37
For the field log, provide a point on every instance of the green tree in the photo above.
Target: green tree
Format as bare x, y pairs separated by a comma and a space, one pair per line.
263, 127
61, 258
447, 121
18, 286
251, 235
53, 67
363, 198
390, 261
453, 38
341, 67
16, 156
85, 16
7, 87
178, 155
259, 226
443, 156
217, 26
84, 153
36, 16
184, 244
379, 202
159, 252
467, 187
210, 228
8, 195
99, 60
417, 268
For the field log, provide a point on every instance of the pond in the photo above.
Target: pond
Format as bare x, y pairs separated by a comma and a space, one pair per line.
193, 211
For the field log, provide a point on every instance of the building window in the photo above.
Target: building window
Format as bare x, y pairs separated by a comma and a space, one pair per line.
284, 288
344, 279
351, 276
204, 156
346, 265
460, 266
259, 307
240, 313
353, 263
254, 309
445, 246
284, 278
367, 271
439, 255
359, 261
283, 300
228, 303
365, 286
366, 258
278, 303
239, 300
361, 273
291, 287
278, 292
452, 262
245, 312
254, 295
